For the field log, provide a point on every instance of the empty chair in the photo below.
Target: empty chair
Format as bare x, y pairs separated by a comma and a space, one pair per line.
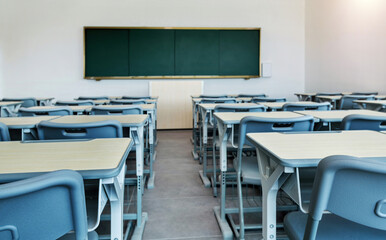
218, 100
134, 102
103, 129
75, 103
116, 110
347, 101
93, 98
225, 108
136, 97
246, 167
353, 190
27, 102
57, 111
262, 95
364, 122
264, 99
4, 132
324, 106
364, 93
44, 207
213, 96
328, 94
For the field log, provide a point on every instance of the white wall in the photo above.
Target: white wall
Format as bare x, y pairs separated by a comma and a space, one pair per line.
345, 45
41, 42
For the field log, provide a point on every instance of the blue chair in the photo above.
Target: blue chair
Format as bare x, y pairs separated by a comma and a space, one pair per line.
136, 97
261, 95
218, 100
56, 111
347, 101
216, 144
329, 94
134, 109
325, 106
364, 93
353, 190
75, 103
246, 167
104, 129
27, 102
364, 122
4, 132
48, 206
128, 102
93, 98
213, 96
264, 99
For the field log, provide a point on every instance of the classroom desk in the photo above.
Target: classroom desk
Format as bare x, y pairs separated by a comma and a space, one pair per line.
196, 100
306, 96
376, 105
327, 117
47, 101
274, 106
101, 102
76, 109
8, 108
280, 155
102, 159
27, 125
149, 109
225, 124
206, 113
135, 123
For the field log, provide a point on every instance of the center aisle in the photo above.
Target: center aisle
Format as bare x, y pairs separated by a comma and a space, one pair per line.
179, 206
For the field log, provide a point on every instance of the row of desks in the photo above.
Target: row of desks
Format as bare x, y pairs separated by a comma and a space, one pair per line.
280, 155
94, 159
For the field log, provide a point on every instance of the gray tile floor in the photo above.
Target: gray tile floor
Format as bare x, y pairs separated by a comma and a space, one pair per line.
179, 207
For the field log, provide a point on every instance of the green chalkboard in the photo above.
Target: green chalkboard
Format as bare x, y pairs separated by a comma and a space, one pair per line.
151, 52
238, 52
106, 52
197, 52
116, 52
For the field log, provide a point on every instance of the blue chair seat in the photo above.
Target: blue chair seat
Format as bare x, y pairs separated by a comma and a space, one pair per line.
331, 227
91, 236
248, 170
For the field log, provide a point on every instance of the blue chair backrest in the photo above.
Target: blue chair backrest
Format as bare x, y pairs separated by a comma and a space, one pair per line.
329, 94
325, 106
59, 111
364, 93
117, 110
218, 100
104, 129
44, 207
347, 101
261, 95
133, 102
364, 122
213, 96
235, 108
259, 124
93, 98
264, 99
339, 188
136, 98
4, 132
75, 103
27, 102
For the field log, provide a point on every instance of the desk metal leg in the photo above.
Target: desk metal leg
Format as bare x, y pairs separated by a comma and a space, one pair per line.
114, 188
195, 132
203, 173
270, 182
150, 182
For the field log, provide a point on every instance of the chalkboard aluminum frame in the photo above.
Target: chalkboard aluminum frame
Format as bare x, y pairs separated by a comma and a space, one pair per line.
169, 77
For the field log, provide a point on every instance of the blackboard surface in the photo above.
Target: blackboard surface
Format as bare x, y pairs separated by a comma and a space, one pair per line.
171, 53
